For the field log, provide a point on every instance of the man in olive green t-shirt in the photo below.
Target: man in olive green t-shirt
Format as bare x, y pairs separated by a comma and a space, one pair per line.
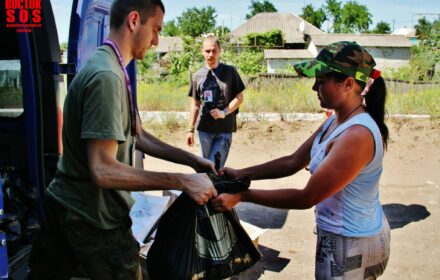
88, 202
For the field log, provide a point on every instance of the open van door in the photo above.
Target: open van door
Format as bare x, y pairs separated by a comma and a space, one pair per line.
31, 89
32, 92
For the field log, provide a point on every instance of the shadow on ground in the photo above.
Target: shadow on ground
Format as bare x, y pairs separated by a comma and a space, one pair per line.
400, 215
261, 216
270, 261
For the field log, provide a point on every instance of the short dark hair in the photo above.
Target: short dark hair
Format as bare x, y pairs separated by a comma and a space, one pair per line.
121, 8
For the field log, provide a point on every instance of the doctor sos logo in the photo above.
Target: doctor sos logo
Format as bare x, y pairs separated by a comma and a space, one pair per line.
23, 14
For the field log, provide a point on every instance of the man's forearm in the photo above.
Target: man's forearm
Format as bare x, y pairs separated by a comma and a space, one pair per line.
193, 114
124, 177
235, 103
154, 147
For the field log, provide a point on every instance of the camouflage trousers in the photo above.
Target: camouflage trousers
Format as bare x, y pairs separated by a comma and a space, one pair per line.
66, 242
342, 258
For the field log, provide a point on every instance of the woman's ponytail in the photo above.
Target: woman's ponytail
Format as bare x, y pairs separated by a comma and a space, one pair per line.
375, 106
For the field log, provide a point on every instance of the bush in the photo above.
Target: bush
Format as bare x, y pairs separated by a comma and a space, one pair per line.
248, 62
142, 66
187, 60
269, 39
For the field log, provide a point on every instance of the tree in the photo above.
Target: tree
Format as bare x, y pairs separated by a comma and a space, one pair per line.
355, 17
435, 35
170, 28
382, 27
268, 39
194, 22
315, 17
221, 31
427, 53
333, 9
146, 63
188, 58
423, 29
63, 46
257, 7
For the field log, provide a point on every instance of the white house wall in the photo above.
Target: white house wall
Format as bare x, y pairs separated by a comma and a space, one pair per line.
280, 65
390, 57
384, 57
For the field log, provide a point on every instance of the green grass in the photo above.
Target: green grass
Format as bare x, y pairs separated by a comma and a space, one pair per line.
283, 96
11, 98
286, 96
162, 130
424, 101
164, 96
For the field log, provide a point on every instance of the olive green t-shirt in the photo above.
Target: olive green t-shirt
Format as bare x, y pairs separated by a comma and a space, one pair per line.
96, 107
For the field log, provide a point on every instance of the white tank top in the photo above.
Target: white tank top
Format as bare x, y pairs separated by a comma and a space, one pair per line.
355, 211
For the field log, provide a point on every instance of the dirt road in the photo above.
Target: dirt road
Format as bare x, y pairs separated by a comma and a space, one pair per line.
410, 195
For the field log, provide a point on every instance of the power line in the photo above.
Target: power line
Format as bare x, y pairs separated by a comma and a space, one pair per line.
422, 15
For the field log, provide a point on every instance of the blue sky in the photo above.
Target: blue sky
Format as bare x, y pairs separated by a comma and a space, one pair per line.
231, 13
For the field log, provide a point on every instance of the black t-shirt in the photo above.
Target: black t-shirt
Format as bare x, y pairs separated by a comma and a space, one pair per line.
216, 88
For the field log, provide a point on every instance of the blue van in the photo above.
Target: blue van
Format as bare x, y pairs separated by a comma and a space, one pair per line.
32, 90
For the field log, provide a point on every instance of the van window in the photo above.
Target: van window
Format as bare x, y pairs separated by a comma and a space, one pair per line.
11, 90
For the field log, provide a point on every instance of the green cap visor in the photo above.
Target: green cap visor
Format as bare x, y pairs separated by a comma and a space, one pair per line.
313, 68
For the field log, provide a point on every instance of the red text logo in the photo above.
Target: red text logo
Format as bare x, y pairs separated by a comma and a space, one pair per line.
23, 14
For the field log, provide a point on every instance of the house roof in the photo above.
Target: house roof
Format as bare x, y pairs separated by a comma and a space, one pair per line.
365, 40
405, 31
168, 44
286, 54
288, 23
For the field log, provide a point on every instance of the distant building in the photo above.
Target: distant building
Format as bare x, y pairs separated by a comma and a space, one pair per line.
292, 26
168, 44
389, 51
409, 33
280, 60
304, 41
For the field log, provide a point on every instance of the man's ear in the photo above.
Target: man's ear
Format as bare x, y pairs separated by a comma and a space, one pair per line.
133, 20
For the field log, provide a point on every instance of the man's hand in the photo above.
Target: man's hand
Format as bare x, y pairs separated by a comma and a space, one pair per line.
225, 201
190, 139
199, 187
217, 114
204, 165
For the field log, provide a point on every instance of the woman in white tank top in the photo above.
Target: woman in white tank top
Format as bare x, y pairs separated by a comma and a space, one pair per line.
345, 159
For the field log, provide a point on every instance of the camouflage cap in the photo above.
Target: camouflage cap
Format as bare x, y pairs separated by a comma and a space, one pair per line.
344, 57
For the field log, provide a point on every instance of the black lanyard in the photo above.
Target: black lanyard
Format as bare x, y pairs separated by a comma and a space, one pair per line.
213, 73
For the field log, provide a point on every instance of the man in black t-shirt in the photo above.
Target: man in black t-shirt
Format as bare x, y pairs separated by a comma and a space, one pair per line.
217, 92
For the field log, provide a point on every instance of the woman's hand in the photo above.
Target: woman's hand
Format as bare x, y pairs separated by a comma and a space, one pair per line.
229, 173
225, 201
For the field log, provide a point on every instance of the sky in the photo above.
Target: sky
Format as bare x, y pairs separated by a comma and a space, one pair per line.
231, 13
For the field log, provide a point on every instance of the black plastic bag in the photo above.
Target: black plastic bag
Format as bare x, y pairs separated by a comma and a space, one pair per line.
197, 242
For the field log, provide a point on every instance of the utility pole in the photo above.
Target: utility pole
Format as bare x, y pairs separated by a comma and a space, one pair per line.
230, 16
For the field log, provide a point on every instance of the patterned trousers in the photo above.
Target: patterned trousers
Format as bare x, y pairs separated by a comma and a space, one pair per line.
342, 258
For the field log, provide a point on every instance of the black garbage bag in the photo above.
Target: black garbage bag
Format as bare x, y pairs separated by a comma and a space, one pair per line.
197, 242
20, 219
